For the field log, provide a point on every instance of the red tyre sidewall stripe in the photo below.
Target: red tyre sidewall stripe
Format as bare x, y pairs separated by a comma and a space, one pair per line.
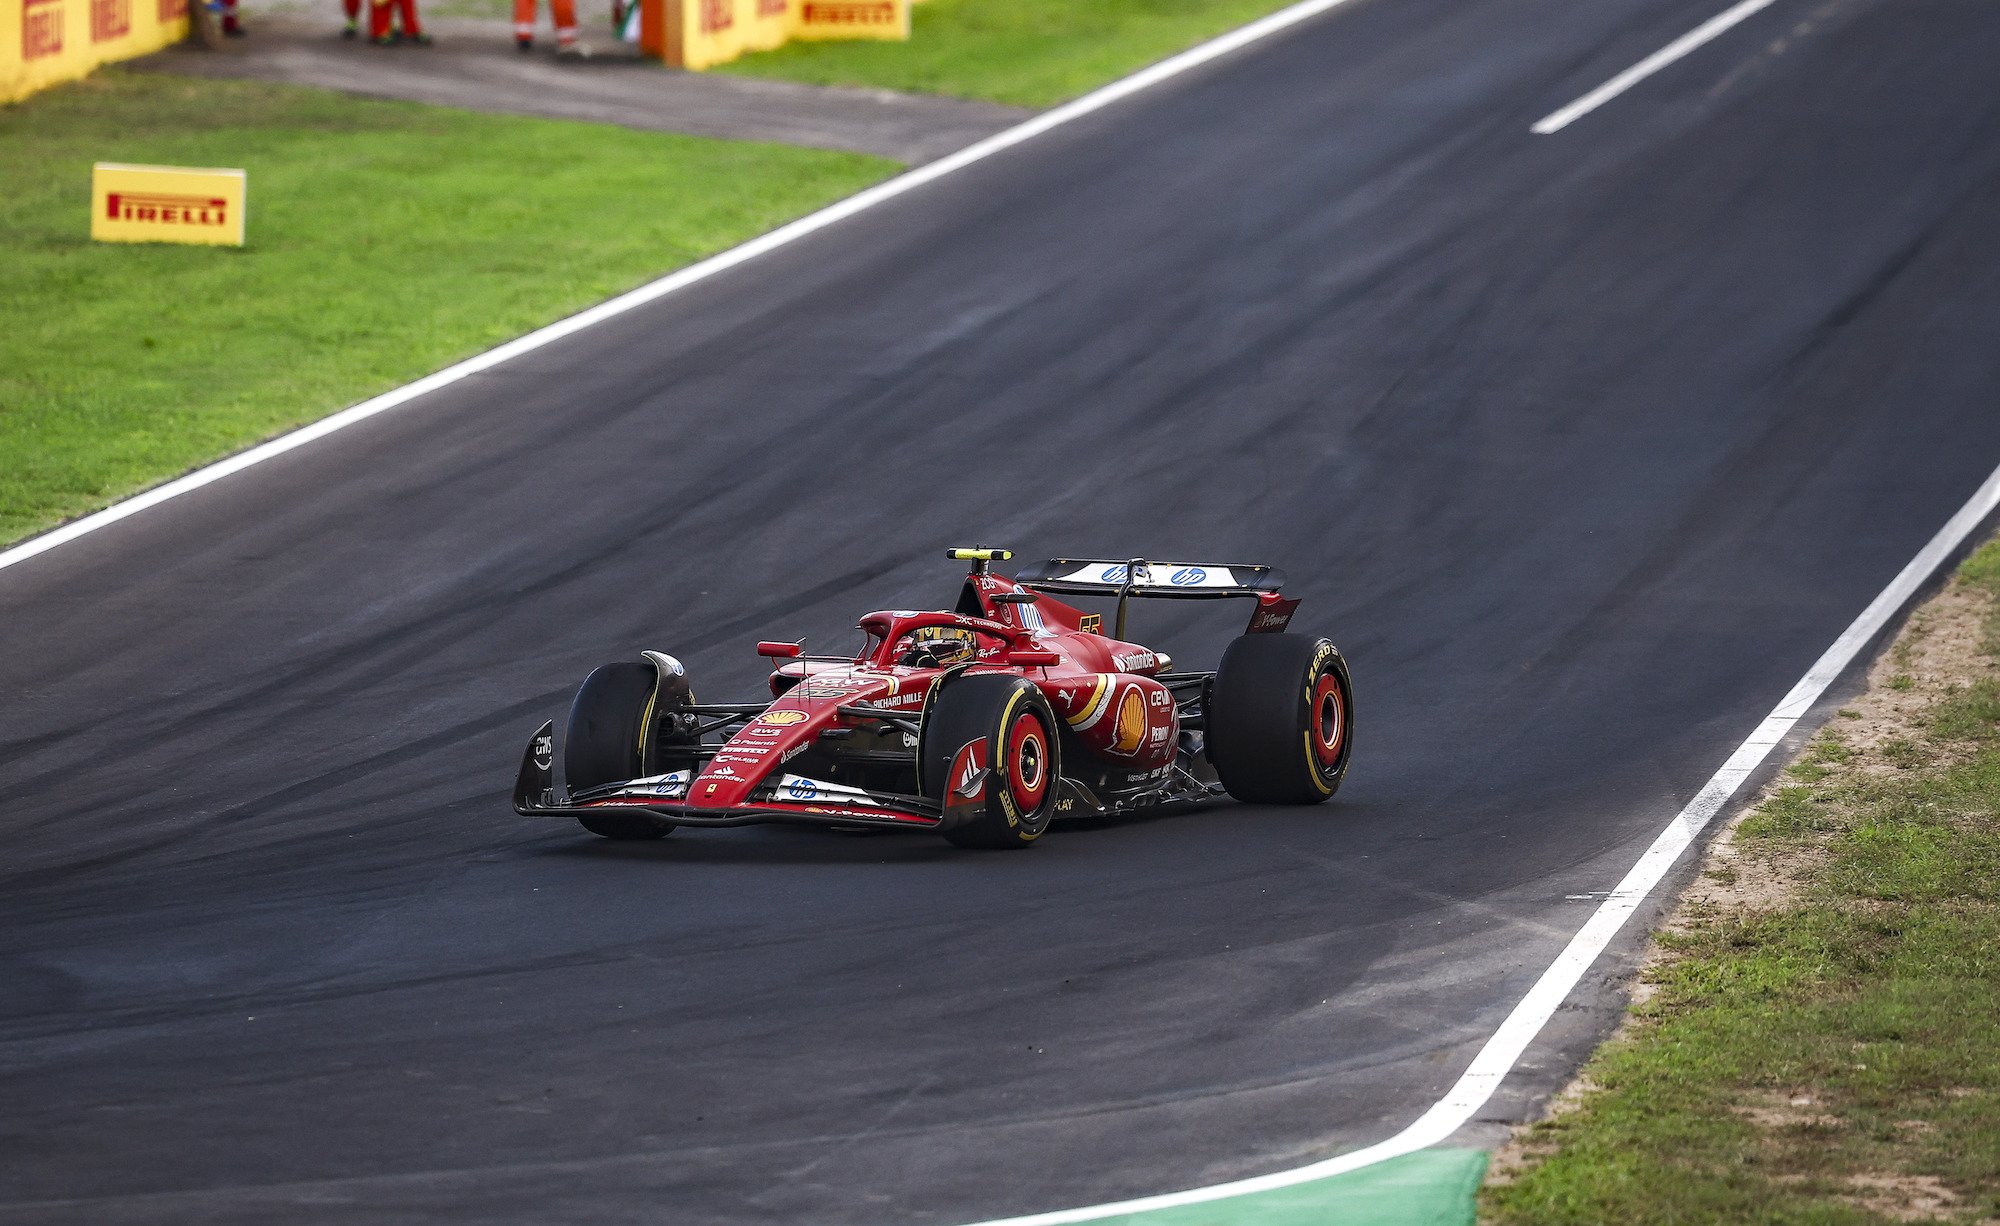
1327, 751
1027, 729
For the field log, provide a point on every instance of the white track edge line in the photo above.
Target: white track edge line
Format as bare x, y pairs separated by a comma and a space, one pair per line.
1497, 1057
790, 232
1557, 120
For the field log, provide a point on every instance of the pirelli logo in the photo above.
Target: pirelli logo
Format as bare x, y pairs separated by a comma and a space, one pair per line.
167, 210
41, 28
850, 12
166, 204
110, 19
888, 19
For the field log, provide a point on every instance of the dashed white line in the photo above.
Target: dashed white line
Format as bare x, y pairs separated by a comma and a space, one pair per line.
1555, 121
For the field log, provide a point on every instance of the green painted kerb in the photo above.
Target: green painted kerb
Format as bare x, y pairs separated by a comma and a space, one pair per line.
1432, 1187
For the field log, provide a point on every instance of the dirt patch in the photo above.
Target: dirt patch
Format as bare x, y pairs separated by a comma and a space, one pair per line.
1903, 1198
1939, 652
1789, 1111
1526, 1147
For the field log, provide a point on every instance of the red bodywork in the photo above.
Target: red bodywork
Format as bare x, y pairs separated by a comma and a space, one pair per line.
1102, 688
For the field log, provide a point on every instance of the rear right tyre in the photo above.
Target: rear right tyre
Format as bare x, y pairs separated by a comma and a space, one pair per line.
1280, 719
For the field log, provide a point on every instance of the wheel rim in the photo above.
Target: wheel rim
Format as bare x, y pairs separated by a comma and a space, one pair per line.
1028, 762
1329, 720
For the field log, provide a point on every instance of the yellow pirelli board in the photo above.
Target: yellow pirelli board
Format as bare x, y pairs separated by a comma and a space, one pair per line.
821, 19
166, 204
46, 41
701, 33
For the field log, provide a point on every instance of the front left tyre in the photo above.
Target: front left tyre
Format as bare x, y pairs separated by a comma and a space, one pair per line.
999, 735
602, 744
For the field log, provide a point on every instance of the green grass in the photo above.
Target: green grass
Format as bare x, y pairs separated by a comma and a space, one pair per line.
1791, 1055
1982, 571
385, 240
1031, 53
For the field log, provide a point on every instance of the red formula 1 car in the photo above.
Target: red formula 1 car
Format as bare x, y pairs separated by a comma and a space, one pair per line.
983, 723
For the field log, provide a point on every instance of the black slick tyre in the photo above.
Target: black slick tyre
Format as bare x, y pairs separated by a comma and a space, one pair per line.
1011, 804
1280, 719
602, 743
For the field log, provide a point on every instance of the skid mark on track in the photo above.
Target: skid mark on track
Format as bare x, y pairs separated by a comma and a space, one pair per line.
312, 786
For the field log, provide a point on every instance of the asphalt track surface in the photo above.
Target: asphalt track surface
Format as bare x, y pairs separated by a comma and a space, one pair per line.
1583, 447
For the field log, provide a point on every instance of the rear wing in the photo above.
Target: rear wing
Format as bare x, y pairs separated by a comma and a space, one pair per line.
1138, 577
1164, 581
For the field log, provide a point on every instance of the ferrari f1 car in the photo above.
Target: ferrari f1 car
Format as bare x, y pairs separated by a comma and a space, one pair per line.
983, 723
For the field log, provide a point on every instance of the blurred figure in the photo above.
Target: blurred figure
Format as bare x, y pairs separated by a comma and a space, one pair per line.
353, 10
231, 27
562, 12
379, 25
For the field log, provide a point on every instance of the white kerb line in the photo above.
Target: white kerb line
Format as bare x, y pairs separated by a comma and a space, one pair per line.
839, 211
1714, 26
1500, 1052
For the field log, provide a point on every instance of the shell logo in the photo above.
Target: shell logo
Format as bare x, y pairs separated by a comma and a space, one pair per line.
781, 718
1131, 722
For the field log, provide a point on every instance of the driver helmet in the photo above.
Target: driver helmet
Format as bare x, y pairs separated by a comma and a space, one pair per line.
937, 647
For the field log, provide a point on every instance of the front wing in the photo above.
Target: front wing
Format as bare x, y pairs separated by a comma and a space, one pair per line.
536, 795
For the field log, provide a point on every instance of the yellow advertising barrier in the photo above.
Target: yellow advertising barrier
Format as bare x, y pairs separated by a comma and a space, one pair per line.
701, 33
43, 42
166, 204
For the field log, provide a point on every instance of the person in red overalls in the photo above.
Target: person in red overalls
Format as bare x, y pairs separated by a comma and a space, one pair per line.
379, 12
564, 14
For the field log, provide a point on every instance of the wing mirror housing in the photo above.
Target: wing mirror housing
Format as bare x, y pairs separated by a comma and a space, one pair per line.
781, 651
1033, 657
